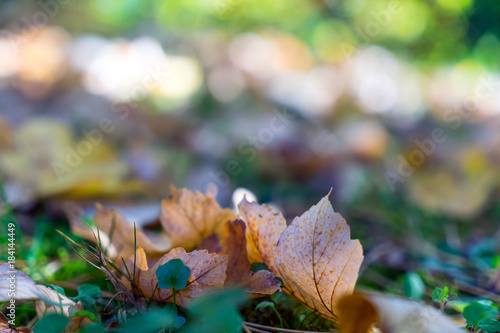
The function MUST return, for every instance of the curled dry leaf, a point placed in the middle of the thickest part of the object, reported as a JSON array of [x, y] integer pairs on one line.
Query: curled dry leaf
[[358, 314], [5, 326], [112, 223], [57, 303], [239, 272], [189, 217], [208, 272], [25, 287], [314, 255], [47, 300]]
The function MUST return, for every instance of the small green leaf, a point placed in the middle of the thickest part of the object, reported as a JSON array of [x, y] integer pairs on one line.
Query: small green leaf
[[258, 266], [87, 302], [52, 323], [490, 326], [153, 321], [216, 312], [414, 286], [436, 294], [440, 295], [57, 288], [478, 313], [173, 274], [264, 304], [87, 314], [89, 290]]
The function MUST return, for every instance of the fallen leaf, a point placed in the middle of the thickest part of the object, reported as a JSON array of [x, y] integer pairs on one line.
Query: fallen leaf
[[239, 272], [189, 217], [265, 227], [121, 233], [211, 244], [314, 255], [5, 326], [208, 272], [44, 159], [47, 300], [52, 302], [358, 314], [25, 287]]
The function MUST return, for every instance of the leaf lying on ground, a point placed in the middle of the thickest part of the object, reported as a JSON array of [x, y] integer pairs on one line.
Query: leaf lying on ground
[[48, 301], [112, 223], [239, 272], [265, 227], [25, 287], [208, 272], [314, 255], [5, 326], [358, 314], [40, 162], [189, 217]]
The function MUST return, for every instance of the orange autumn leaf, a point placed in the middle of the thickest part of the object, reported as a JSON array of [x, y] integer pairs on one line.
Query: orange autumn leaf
[[265, 226], [208, 272], [314, 255], [189, 217], [239, 272]]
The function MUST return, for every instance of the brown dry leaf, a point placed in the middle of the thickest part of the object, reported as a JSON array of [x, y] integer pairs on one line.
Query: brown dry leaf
[[314, 255], [6, 328], [47, 300], [189, 217], [121, 231], [265, 227], [26, 288], [208, 272], [358, 314], [59, 303], [239, 272]]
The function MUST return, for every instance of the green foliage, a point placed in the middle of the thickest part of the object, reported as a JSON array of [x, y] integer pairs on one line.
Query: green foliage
[[216, 312], [481, 315], [173, 274], [258, 266], [414, 286], [265, 304], [87, 294], [88, 314], [89, 290], [154, 320], [51, 323], [93, 328], [440, 295], [57, 288], [490, 326]]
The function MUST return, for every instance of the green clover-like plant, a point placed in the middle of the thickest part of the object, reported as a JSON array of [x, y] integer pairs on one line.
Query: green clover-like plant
[[481, 315], [173, 274]]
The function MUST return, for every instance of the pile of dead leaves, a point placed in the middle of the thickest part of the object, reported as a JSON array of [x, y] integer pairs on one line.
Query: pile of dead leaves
[[314, 257]]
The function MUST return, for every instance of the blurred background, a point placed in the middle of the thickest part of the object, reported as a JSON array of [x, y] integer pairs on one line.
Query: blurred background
[[394, 105]]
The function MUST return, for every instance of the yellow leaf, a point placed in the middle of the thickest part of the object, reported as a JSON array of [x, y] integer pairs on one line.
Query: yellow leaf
[[189, 217], [314, 255], [265, 226]]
